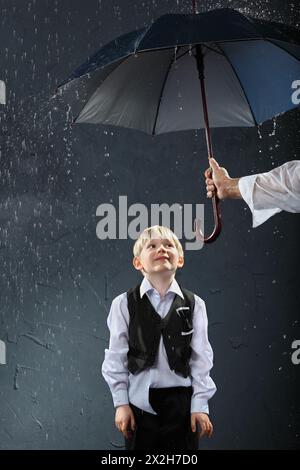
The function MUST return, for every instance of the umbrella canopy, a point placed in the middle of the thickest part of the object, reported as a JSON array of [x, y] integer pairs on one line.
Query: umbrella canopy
[[149, 79]]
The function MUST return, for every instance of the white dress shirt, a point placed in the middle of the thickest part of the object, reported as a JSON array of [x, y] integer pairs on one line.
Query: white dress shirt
[[269, 193], [128, 388]]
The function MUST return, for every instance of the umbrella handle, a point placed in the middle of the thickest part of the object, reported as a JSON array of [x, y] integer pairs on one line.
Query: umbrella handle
[[217, 220]]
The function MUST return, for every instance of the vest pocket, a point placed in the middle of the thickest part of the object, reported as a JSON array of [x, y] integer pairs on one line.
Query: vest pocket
[[185, 333]]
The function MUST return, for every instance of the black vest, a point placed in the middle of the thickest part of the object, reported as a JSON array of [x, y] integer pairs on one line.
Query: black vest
[[146, 327]]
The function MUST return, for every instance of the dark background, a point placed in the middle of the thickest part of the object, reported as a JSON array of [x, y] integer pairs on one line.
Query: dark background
[[57, 279]]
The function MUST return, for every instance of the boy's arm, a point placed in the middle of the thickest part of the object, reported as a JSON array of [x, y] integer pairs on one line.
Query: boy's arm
[[114, 367], [201, 361]]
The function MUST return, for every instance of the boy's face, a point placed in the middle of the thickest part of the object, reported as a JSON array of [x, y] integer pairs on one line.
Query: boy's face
[[159, 255]]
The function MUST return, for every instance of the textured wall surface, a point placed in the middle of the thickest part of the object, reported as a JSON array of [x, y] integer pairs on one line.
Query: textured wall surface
[[58, 279]]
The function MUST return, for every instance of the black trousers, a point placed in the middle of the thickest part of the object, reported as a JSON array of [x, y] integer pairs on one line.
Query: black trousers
[[170, 429]]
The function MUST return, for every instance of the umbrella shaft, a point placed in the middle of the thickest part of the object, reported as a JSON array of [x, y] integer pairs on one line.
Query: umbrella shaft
[[206, 120], [200, 66]]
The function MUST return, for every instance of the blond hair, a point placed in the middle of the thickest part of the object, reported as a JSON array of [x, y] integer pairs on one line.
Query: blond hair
[[147, 235]]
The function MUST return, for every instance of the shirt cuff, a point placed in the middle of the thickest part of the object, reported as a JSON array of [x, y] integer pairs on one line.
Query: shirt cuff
[[199, 405], [246, 186], [120, 398]]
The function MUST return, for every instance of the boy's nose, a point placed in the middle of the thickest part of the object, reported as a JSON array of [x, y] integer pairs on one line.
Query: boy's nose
[[162, 248]]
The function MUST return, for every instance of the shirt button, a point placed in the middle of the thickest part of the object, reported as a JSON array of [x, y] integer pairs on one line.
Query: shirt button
[[169, 336], [173, 348]]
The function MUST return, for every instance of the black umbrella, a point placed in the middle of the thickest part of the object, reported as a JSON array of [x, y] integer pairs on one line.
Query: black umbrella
[[149, 79]]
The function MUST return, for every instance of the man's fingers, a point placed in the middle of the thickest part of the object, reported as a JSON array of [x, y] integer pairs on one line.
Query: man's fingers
[[207, 173], [210, 189]]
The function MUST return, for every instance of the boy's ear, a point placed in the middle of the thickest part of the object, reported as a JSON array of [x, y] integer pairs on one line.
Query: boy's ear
[[180, 262], [137, 263]]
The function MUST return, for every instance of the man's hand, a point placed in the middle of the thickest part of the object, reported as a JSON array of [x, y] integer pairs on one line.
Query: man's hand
[[219, 182], [124, 420], [203, 420]]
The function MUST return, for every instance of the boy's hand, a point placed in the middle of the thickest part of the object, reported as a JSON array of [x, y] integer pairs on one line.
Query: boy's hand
[[205, 424], [124, 420]]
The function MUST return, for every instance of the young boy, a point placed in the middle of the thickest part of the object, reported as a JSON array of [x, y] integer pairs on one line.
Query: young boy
[[158, 362]]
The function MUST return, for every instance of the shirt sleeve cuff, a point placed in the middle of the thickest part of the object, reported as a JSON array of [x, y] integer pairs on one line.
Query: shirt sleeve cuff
[[120, 398], [199, 405], [246, 187]]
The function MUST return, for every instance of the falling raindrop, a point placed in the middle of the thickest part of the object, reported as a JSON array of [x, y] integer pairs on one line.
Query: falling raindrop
[[274, 127]]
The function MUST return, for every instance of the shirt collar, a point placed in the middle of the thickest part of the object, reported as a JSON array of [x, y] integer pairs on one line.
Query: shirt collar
[[146, 286]]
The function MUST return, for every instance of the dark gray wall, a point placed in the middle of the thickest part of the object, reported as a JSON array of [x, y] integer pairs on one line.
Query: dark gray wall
[[57, 279]]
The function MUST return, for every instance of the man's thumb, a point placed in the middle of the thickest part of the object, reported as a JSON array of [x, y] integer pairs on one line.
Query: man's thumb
[[214, 164]]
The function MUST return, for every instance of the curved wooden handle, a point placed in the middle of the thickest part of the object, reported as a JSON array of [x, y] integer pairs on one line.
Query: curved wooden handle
[[218, 225]]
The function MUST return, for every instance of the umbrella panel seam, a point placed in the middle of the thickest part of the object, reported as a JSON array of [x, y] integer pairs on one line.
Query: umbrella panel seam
[[238, 78]]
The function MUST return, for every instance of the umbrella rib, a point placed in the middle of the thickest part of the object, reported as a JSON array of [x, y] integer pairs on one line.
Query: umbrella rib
[[282, 48], [161, 92], [182, 55], [96, 69], [165, 79], [137, 45], [202, 43], [259, 27], [193, 48], [213, 50], [87, 100], [238, 78]]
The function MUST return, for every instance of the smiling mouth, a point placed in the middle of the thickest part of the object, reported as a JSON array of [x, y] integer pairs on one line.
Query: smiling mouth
[[162, 257]]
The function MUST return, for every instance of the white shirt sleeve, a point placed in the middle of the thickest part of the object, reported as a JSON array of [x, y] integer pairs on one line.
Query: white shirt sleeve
[[201, 360], [114, 367], [269, 193]]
